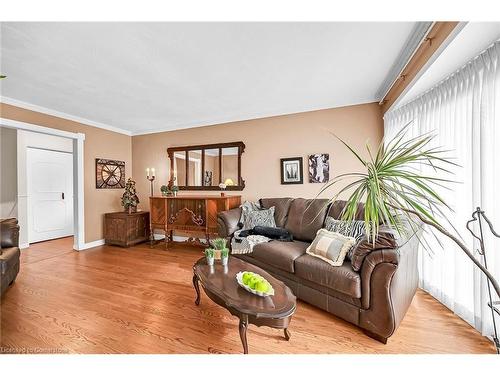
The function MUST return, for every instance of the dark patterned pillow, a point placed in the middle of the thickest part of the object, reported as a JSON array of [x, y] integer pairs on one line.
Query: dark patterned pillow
[[263, 218], [247, 207], [355, 228]]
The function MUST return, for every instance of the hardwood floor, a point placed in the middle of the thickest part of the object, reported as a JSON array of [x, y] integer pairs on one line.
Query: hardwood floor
[[141, 300]]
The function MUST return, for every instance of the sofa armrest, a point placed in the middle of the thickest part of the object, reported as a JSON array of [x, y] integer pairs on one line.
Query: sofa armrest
[[9, 233], [227, 222], [389, 280], [372, 260]]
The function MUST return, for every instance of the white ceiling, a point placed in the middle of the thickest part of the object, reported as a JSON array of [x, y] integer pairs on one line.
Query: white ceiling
[[148, 77], [474, 38]]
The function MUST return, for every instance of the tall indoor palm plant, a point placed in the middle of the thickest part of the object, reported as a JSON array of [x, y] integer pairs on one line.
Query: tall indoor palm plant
[[395, 191]]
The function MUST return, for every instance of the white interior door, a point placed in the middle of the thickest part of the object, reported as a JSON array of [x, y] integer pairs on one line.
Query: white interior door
[[50, 194]]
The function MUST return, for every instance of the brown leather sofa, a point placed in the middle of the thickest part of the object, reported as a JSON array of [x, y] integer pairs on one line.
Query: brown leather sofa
[[374, 298], [9, 253]]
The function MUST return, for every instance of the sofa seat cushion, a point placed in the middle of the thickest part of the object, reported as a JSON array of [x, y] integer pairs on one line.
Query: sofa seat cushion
[[279, 254], [342, 279]]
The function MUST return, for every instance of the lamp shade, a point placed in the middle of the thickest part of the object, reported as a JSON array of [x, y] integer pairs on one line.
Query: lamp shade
[[229, 182]]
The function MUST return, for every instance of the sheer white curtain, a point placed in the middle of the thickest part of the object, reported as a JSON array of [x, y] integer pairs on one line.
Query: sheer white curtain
[[464, 113]]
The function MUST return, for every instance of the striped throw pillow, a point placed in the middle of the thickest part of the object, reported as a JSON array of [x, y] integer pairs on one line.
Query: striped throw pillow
[[331, 247], [355, 228]]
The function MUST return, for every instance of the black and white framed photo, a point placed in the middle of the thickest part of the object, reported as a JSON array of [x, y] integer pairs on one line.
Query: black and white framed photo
[[319, 168], [207, 178], [292, 171]]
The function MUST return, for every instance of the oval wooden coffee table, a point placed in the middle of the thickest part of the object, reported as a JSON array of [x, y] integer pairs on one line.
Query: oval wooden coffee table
[[220, 285]]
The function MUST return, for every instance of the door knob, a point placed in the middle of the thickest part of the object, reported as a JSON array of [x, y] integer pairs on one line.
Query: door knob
[[62, 196]]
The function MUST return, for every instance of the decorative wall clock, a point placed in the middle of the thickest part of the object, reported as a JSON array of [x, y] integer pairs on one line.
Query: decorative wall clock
[[110, 174]]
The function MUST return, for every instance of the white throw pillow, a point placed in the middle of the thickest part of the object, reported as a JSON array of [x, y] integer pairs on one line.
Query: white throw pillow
[[330, 247]]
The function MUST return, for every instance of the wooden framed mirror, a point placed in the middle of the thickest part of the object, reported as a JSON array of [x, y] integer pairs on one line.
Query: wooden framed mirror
[[204, 167]]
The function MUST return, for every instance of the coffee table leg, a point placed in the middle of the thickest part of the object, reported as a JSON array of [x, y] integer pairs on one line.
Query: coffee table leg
[[197, 288], [243, 332], [287, 334]]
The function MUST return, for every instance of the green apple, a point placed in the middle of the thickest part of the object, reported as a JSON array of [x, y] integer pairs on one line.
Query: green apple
[[254, 280], [261, 286], [246, 277]]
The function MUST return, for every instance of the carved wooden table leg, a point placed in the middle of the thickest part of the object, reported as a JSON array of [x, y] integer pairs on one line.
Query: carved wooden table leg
[[169, 237], [151, 236], [287, 334], [243, 332], [197, 288]]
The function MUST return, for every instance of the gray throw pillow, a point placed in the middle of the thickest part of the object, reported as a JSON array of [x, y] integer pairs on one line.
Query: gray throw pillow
[[263, 218], [355, 228]]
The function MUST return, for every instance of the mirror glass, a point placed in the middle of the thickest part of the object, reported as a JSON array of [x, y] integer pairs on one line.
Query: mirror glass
[[205, 167], [180, 168], [230, 166], [211, 172], [194, 168]]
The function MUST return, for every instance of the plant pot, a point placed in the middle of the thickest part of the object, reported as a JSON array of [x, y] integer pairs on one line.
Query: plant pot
[[224, 260], [131, 209], [216, 254], [210, 261]]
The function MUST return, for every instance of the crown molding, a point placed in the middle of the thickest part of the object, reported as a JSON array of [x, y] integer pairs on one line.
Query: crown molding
[[180, 126], [436, 40], [66, 116], [416, 36]]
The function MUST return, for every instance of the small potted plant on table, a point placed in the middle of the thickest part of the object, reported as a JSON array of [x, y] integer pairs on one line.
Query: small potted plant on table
[[175, 190], [224, 256], [164, 190], [130, 200], [209, 255], [218, 244]]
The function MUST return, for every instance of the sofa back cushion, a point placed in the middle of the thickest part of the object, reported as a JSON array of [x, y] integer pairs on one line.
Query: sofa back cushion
[[337, 207], [306, 217], [281, 208]]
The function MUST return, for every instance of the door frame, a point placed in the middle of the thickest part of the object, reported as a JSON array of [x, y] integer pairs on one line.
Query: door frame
[[78, 173]]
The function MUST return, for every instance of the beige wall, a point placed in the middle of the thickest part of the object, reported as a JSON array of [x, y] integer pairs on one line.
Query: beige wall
[[8, 172], [267, 140], [98, 143]]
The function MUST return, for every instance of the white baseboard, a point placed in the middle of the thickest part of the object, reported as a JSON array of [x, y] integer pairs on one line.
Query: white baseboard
[[89, 245], [24, 245], [157, 236]]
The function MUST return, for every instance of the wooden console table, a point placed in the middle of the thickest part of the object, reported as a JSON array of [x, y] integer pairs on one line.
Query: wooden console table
[[191, 214]]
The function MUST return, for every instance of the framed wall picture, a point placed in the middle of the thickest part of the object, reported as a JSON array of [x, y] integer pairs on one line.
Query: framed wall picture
[[207, 178], [319, 168], [110, 174], [292, 171]]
